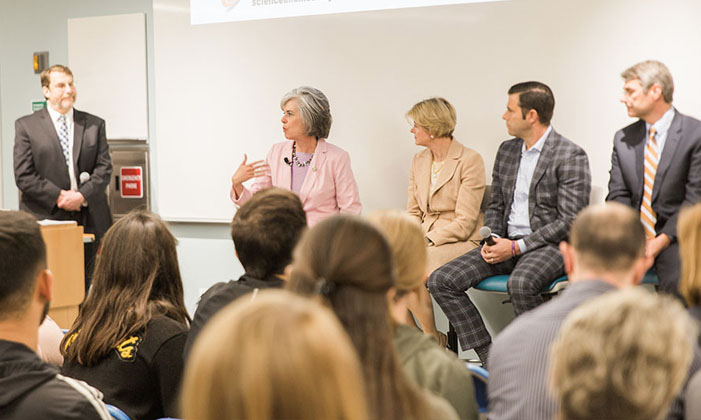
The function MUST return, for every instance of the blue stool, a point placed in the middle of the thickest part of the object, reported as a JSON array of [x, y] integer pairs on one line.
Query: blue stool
[[480, 376], [498, 284], [651, 278], [116, 413]]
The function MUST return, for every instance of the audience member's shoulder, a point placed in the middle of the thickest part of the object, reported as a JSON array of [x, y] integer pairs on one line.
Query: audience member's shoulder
[[165, 327], [411, 343], [61, 398], [440, 407], [221, 294], [692, 405], [529, 324], [221, 289]]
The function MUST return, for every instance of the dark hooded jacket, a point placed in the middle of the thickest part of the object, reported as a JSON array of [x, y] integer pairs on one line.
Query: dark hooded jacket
[[32, 389]]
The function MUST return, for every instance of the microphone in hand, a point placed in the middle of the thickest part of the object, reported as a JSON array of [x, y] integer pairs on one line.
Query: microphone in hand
[[486, 234]]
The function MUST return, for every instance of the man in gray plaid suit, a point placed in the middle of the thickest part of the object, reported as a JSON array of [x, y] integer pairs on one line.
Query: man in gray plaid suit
[[540, 182]]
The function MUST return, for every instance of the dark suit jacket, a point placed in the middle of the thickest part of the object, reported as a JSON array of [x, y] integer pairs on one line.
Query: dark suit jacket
[[41, 172], [678, 178], [560, 188]]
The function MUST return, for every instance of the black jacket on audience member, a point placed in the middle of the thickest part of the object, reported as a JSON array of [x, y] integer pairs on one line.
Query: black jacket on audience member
[[141, 376], [33, 389], [220, 295]]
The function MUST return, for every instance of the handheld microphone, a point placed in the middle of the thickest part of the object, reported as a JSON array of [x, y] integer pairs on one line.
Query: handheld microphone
[[287, 161], [83, 178], [486, 234]]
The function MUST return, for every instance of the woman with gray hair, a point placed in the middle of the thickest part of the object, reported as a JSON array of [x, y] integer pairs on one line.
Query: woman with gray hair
[[319, 172]]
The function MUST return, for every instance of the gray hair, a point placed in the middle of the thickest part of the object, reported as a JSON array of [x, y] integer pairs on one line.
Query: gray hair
[[650, 72], [314, 110], [608, 360]]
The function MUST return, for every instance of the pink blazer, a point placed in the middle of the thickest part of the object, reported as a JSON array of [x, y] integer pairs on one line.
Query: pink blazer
[[328, 188]]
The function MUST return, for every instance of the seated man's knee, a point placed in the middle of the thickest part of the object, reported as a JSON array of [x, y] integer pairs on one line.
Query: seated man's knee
[[437, 281], [454, 275], [522, 284]]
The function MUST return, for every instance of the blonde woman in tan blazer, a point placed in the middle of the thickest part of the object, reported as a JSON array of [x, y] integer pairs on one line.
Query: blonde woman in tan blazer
[[446, 185]]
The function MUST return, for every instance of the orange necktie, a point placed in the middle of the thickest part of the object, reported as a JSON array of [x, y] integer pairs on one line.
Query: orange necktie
[[647, 214]]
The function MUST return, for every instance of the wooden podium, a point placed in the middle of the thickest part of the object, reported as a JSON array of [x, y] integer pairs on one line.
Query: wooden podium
[[64, 254]]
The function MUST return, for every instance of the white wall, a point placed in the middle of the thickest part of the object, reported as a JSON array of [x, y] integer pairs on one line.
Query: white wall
[[218, 86]]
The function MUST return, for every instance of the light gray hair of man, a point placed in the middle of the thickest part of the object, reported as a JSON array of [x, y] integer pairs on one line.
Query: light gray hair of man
[[314, 109], [652, 72], [624, 355]]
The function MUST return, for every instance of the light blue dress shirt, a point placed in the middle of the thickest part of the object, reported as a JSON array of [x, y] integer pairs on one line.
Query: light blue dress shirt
[[519, 223], [662, 126]]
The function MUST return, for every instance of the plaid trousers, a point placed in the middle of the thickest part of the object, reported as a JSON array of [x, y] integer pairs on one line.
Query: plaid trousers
[[529, 273]]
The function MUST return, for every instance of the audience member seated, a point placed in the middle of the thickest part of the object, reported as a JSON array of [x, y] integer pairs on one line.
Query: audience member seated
[[689, 236], [30, 388], [446, 185], [540, 181], [273, 356], [130, 332], [349, 264], [50, 336], [265, 230], [623, 356], [692, 398], [423, 360], [606, 251]]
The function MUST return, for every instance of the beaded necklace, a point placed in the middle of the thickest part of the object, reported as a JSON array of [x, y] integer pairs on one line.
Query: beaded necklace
[[296, 161]]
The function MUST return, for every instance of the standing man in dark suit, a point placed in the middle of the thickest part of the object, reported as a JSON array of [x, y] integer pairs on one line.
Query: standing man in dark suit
[[656, 164], [61, 159], [540, 182]]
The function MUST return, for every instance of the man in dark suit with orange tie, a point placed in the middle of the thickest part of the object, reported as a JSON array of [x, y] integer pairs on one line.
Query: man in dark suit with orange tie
[[656, 164], [61, 159]]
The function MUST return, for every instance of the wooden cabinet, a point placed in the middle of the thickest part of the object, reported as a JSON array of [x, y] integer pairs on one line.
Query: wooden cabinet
[[64, 253]]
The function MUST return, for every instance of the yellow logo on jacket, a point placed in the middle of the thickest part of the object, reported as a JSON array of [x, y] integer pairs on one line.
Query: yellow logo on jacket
[[126, 350]]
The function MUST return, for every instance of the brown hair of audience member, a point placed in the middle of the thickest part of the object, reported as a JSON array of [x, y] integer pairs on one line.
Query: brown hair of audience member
[[608, 238], [689, 235], [406, 240], [266, 229], [435, 115], [22, 257], [286, 357], [624, 355], [349, 262], [136, 279]]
